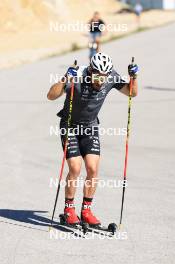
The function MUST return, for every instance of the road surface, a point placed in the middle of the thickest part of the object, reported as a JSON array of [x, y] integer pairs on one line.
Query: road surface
[[31, 159]]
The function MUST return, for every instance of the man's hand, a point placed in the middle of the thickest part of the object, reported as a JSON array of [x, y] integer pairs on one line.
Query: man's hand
[[133, 70], [71, 72], [58, 89]]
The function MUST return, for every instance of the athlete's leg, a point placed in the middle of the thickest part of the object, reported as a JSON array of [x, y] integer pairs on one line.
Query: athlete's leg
[[92, 166], [74, 165], [89, 145], [74, 161]]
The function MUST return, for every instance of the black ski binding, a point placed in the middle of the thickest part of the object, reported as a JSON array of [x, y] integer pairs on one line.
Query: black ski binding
[[85, 227], [80, 226], [112, 228]]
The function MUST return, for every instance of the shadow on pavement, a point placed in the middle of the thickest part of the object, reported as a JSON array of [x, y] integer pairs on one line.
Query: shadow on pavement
[[31, 217], [26, 216]]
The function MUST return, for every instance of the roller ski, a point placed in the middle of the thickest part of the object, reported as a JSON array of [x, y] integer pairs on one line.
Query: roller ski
[[92, 223], [70, 219]]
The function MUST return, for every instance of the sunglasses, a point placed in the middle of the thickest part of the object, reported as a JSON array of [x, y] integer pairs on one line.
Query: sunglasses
[[93, 71]]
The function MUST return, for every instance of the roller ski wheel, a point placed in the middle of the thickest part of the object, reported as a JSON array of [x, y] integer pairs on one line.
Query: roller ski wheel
[[85, 228], [112, 228]]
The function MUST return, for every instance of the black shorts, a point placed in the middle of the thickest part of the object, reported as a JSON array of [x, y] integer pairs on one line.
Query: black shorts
[[81, 140]]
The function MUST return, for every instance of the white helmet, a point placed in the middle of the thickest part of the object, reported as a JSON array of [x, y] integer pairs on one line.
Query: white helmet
[[102, 63]]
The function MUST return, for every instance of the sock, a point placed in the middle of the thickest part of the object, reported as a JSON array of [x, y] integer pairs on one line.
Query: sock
[[87, 203], [69, 202]]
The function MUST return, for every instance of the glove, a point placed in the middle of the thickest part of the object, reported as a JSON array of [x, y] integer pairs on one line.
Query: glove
[[133, 70], [71, 72]]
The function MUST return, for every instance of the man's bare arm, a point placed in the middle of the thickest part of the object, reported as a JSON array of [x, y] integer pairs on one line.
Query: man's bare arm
[[126, 88], [56, 90]]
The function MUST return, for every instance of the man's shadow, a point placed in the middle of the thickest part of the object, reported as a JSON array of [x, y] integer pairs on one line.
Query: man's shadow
[[26, 216], [31, 217]]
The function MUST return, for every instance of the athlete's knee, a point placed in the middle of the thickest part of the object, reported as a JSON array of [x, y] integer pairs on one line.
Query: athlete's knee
[[91, 170], [74, 170]]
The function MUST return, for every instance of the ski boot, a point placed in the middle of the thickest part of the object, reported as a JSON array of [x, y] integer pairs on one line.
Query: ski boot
[[69, 217], [88, 217]]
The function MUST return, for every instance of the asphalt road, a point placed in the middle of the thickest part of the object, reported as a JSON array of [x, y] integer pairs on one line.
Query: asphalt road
[[31, 158]]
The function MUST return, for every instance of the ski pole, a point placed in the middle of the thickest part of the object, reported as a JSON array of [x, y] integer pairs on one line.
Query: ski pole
[[65, 146], [127, 143]]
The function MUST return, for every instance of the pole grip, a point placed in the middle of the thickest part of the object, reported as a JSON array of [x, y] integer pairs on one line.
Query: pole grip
[[131, 80], [75, 64], [132, 60]]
